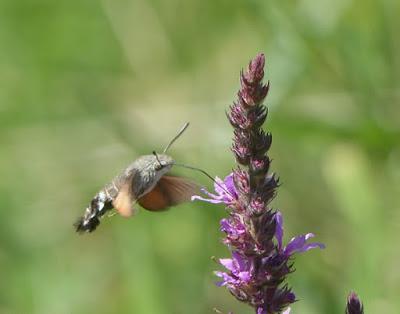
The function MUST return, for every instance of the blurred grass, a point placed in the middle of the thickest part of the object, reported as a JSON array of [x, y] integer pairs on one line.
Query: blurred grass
[[87, 86]]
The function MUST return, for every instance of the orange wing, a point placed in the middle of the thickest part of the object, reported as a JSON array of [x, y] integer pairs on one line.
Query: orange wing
[[123, 202], [169, 191]]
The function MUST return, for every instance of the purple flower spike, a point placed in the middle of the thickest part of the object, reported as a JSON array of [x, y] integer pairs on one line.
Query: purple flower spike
[[354, 305], [257, 270]]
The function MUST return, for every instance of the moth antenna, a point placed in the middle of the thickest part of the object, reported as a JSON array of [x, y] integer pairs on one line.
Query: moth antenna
[[176, 137], [206, 174], [155, 154]]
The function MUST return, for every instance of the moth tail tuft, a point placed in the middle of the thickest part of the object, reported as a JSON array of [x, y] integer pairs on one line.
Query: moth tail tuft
[[82, 225], [99, 205]]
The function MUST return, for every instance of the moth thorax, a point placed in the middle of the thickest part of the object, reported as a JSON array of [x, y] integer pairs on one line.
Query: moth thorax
[[151, 165]]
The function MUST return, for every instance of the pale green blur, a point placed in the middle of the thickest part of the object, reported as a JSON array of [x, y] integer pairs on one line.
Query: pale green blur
[[88, 86]]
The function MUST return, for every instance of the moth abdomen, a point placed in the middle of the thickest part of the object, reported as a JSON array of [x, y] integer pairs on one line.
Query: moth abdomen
[[84, 225], [99, 205]]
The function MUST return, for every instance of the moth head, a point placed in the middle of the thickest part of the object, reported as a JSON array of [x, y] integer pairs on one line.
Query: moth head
[[162, 162]]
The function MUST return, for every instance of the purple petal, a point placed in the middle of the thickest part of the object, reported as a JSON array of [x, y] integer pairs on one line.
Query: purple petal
[[261, 310], [233, 229], [230, 186], [219, 186], [279, 229], [227, 263], [225, 278], [214, 196], [240, 260], [313, 245], [225, 225], [220, 283], [220, 274], [214, 199], [244, 276], [209, 200], [225, 192], [298, 244]]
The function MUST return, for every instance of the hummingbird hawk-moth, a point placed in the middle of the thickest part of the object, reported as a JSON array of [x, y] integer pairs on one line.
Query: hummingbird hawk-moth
[[146, 182]]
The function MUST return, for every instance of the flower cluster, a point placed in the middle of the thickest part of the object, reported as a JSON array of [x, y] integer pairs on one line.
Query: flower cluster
[[256, 272]]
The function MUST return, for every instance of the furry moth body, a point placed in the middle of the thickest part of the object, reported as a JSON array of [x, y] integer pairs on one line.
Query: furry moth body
[[146, 182]]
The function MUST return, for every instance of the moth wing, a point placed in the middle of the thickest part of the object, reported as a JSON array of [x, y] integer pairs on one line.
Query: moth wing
[[124, 199], [169, 191]]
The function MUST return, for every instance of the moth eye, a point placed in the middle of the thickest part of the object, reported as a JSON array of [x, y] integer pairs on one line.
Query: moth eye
[[159, 166]]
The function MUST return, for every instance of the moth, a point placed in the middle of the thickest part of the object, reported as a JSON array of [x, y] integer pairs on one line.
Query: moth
[[145, 182]]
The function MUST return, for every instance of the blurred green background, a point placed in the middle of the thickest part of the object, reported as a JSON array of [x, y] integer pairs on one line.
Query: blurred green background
[[88, 86]]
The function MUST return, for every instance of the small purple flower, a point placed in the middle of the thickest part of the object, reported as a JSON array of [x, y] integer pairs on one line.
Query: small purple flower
[[240, 270], [233, 227], [297, 244], [237, 235], [225, 192]]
